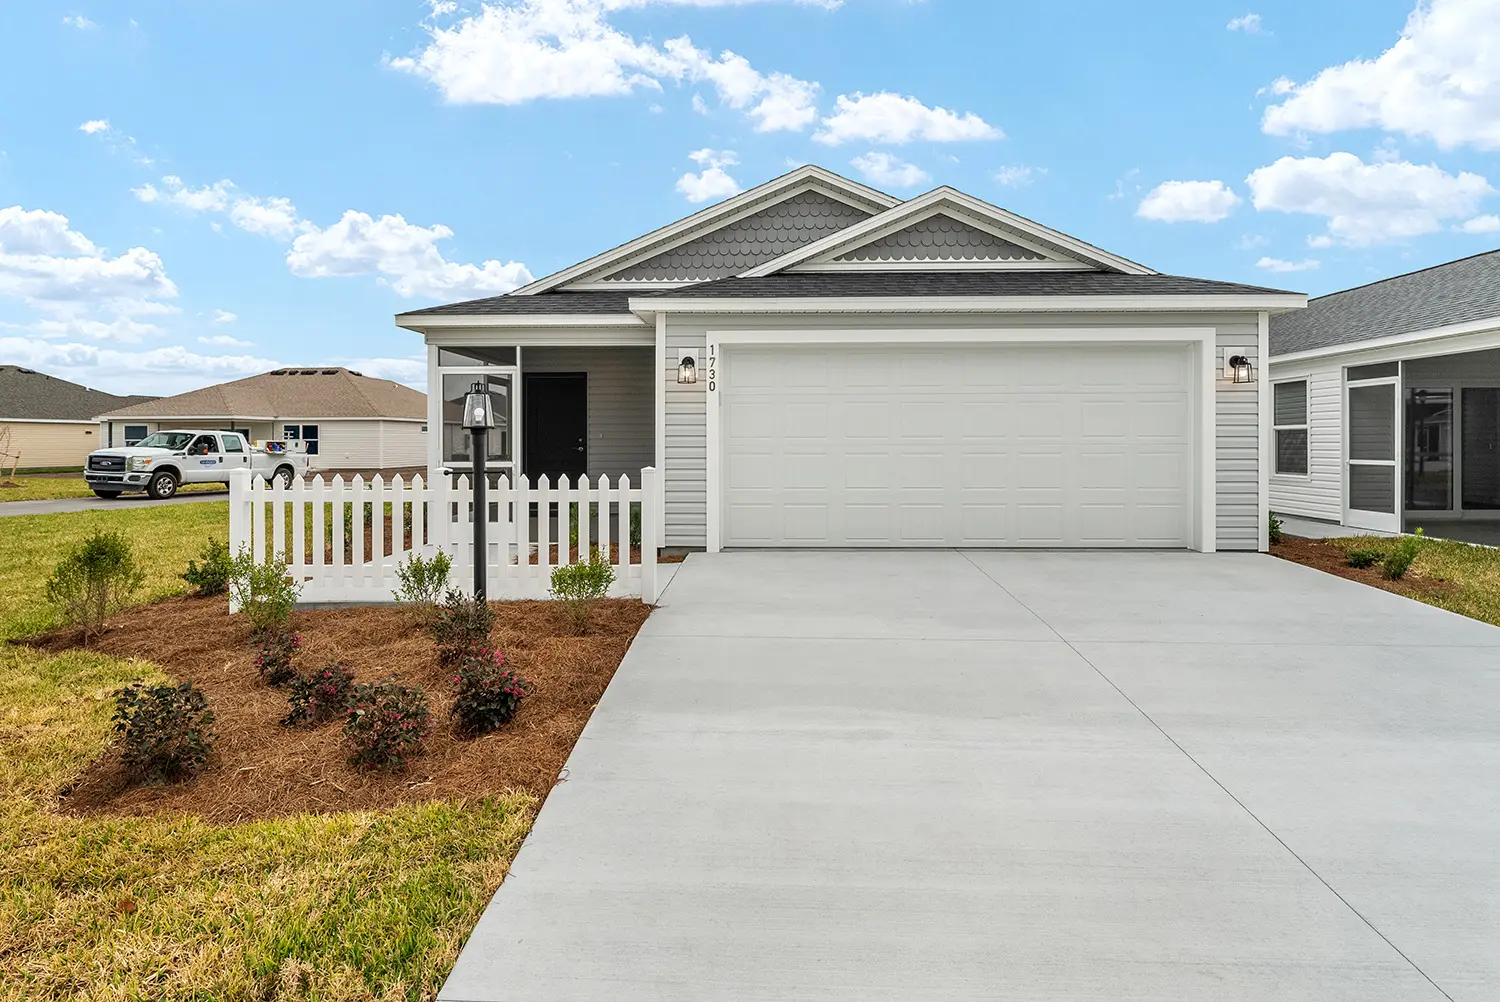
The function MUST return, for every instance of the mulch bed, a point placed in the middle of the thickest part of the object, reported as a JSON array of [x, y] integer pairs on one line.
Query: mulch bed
[[1326, 557], [262, 769]]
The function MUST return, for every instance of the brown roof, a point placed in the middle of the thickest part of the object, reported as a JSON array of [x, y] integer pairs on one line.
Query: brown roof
[[329, 392], [28, 395]]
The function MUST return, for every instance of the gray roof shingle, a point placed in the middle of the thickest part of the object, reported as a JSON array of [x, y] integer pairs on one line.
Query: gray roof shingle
[[961, 283], [542, 302], [1456, 292], [28, 395]]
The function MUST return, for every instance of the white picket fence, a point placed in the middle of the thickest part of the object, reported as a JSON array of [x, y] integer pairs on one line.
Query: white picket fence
[[343, 540]]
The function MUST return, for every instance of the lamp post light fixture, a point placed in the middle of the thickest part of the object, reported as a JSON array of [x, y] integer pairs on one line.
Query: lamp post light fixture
[[1241, 369], [687, 370], [479, 418]]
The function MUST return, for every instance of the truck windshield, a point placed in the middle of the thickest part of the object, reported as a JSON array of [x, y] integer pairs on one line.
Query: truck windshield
[[173, 440]]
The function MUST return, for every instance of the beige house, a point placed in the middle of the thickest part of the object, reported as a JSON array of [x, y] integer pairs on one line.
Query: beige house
[[50, 422], [349, 421]]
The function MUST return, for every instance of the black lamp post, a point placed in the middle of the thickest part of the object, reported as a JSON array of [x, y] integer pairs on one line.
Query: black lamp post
[[479, 418]]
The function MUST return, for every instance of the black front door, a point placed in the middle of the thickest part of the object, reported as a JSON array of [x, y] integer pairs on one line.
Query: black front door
[[555, 418]]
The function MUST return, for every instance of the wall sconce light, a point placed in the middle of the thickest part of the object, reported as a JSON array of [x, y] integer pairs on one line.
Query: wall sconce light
[[687, 370], [1239, 369]]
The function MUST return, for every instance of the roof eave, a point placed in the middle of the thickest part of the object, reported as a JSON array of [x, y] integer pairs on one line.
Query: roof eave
[[648, 307], [422, 322]]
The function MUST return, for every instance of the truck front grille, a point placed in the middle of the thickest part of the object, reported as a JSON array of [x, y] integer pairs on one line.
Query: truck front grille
[[113, 463]]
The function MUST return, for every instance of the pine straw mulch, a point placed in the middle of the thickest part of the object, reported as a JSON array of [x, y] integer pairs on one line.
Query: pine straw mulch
[[262, 769], [1324, 556]]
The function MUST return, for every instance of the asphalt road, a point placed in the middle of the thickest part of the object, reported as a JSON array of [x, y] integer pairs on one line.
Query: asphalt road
[[100, 504]]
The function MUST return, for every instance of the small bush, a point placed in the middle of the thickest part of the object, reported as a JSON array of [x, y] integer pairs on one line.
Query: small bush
[[213, 577], [489, 694], [274, 662], [1275, 534], [94, 581], [635, 526], [1399, 560], [578, 586], [1363, 558], [320, 696], [164, 730], [460, 625], [264, 592], [422, 581], [386, 724]]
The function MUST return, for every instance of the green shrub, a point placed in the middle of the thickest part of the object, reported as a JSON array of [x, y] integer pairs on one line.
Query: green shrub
[[95, 580], [1362, 558], [422, 581], [277, 649], [488, 693], [1399, 560], [578, 586], [264, 592], [386, 724], [460, 625], [213, 577], [1275, 534], [163, 729], [635, 526], [320, 696]]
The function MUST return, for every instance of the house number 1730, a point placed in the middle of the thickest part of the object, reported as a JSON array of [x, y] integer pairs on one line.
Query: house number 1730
[[713, 372]]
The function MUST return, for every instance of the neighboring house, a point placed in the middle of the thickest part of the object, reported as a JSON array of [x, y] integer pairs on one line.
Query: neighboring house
[[348, 421], [50, 420], [1387, 401], [816, 363]]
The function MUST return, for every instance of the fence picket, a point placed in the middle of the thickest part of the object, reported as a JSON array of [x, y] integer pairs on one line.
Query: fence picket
[[318, 500], [340, 496], [606, 499], [299, 536], [257, 520]]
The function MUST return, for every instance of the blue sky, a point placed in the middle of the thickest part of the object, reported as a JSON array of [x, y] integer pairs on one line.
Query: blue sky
[[196, 190]]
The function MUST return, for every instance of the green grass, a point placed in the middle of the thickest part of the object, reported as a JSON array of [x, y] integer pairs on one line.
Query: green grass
[[59, 488], [370, 905], [1472, 571], [165, 538]]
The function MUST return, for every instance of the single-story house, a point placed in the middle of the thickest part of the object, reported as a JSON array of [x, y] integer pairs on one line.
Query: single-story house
[[815, 363], [51, 422], [1387, 403], [348, 421]]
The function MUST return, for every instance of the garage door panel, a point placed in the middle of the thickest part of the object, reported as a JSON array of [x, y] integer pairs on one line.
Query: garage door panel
[[959, 445]]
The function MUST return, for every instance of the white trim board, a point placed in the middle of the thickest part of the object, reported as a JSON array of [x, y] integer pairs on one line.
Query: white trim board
[[1201, 339], [898, 220], [598, 337], [422, 323], [1274, 303]]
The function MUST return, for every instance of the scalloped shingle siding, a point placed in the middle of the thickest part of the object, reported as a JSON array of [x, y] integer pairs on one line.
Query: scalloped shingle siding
[[941, 238], [753, 240]]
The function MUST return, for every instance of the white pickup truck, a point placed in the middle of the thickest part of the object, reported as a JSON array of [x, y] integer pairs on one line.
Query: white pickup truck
[[160, 462]]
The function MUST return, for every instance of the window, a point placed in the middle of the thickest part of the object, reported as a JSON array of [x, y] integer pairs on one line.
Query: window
[[290, 432], [1290, 422], [134, 433], [477, 356], [310, 436], [232, 444], [203, 445]]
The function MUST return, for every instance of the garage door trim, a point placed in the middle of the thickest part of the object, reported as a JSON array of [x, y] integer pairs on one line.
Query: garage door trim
[[1201, 338]]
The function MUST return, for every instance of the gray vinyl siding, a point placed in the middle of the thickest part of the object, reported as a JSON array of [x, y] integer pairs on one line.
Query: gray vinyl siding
[[1236, 409], [621, 403], [941, 238]]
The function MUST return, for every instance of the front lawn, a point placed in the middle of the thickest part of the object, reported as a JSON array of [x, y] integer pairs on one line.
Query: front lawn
[[74, 486], [1459, 577]]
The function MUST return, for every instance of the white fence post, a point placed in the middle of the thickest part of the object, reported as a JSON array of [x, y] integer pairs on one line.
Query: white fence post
[[649, 527], [239, 519]]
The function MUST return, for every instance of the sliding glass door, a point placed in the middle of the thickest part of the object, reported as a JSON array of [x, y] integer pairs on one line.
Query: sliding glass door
[[1481, 458], [1429, 449]]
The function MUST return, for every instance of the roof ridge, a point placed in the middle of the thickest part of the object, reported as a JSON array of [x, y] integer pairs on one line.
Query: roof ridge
[[1404, 274]]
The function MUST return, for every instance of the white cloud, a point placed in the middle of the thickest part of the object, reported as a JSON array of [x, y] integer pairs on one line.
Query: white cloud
[[885, 169], [713, 182], [1366, 203], [1440, 80], [225, 317], [1482, 224], [37, 231], [1276, 264], [412, 370], [400, 254], [268, 217], [714, 158], [225, 341], [166, 369], [214, 197], [515, 51], [891, 118], [1017, 175], [700, 106], [80, 22], [1250, 241], [115, 140], [1188, 202], [94, 126], [1250, 24]]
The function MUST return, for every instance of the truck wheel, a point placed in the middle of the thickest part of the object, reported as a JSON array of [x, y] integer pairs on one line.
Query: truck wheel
[[283, 476], [163, 485], [108, 495]]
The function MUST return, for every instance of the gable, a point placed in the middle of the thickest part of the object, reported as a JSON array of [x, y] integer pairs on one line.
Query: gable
[[939, 238], [751, 240]]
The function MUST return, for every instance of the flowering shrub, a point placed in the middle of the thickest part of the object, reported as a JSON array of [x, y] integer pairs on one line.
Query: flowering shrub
[[489, 694], [460, 625], [386, 724], [275, 659], [319, 696], [164, 729]]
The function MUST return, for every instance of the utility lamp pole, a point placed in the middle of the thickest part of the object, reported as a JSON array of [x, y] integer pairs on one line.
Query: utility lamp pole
[[479, 418]]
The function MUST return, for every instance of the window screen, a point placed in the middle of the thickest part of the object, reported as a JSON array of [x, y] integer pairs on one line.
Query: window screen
[[1289, 416], [1383, 370]]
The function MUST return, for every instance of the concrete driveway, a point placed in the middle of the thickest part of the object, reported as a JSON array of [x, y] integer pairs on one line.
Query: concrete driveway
[[942, 775]]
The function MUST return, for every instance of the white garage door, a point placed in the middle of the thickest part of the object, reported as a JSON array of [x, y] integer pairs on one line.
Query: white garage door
[[961, 445]]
